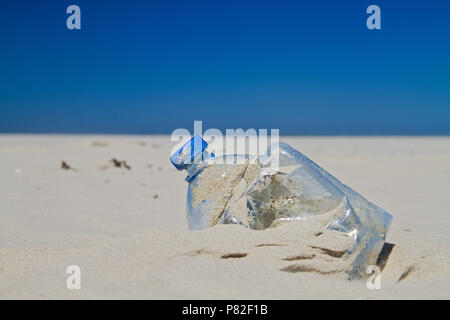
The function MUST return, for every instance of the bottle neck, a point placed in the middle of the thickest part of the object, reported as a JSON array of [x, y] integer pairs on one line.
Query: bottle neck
[[198, 165]]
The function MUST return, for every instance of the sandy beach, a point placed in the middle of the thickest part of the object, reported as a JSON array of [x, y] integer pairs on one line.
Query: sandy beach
[[125, 225]]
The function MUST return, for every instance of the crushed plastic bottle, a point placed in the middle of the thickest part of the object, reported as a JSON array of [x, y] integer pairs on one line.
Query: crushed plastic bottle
[[250, 193]]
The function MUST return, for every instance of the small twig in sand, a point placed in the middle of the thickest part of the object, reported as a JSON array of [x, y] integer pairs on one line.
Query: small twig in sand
[[234, 255], [406, 273]]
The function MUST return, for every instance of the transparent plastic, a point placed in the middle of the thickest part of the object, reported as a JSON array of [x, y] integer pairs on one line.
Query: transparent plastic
[[246, 190]]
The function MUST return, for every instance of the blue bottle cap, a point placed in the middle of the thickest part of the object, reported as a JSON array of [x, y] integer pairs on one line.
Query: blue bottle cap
[[188, 153]]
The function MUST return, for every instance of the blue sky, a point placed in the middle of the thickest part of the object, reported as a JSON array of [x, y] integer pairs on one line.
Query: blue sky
[[305, 67]]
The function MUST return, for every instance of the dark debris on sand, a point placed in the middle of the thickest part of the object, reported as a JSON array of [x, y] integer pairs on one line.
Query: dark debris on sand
[[120, 163], [66, 166]]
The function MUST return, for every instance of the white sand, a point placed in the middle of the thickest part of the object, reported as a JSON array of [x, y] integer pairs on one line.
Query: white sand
[[131, 244]]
